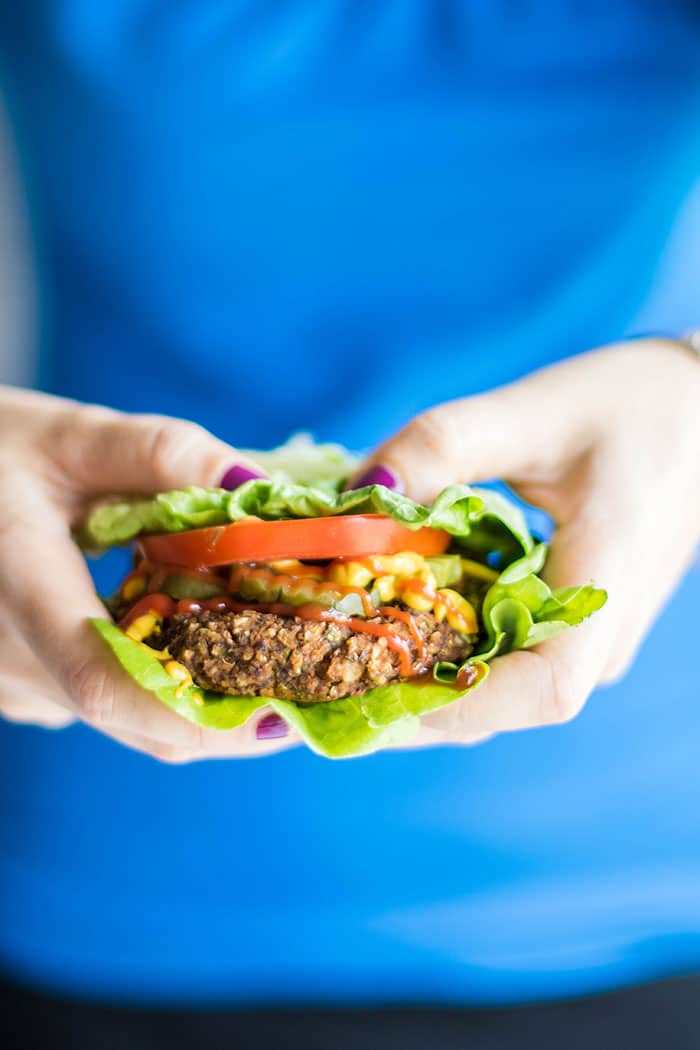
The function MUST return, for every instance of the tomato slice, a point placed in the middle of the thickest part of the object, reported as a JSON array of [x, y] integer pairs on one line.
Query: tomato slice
[[349, 536]]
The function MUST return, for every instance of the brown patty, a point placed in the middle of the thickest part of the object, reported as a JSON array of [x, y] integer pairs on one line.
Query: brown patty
[[261, 654]]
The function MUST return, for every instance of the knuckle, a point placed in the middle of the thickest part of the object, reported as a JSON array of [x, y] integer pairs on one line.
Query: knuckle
[[169, 441], [92, 691], [560, 698], [565, 704], [431, 430]]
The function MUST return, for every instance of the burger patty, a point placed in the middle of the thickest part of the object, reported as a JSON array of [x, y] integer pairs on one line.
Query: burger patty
[[261, 654]]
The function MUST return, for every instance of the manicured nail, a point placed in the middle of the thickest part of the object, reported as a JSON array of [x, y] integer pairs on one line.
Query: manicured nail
[[237, 475], [380, 475], [271, 727]]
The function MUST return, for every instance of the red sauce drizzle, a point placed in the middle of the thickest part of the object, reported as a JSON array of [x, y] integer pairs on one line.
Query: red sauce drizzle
[[312, 611], [469, 675], [405, 617], [377, 630], [151, 603]]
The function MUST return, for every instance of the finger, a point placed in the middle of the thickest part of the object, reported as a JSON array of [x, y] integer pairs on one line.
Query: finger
[[95, 687], [45, 582], [27, 693], [21, 704], [654, 587], [100, 451], [231, 743], [491, 435], [174, 755]]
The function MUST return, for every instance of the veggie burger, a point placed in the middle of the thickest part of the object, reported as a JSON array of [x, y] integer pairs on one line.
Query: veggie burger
[[351, 613]]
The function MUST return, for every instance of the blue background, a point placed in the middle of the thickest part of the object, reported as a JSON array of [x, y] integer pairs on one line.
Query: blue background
[[273, 216]]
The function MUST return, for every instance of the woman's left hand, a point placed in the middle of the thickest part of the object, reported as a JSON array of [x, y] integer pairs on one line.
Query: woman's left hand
[[608, 444]]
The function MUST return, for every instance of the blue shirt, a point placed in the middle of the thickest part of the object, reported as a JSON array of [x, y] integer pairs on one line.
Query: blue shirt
[[328, 216]]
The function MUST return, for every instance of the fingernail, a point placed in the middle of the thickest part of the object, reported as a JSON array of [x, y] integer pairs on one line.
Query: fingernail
[[380, 475], [271, 727], [237, 475]]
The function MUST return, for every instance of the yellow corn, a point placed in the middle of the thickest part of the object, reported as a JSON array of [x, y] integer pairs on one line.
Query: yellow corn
[[133, 588], [428, 578], [293, 567], [406, 563], [385, 587], [475, 568], [458, 611], [143, 626], [349, 574], [417, 600]]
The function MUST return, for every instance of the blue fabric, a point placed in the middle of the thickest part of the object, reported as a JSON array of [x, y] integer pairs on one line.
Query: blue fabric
[[272, 216]]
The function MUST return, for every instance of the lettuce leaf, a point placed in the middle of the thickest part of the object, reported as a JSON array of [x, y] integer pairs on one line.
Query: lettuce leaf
[[306, 480], [519, 611], [480, 521], [302, 460], [382, 717]]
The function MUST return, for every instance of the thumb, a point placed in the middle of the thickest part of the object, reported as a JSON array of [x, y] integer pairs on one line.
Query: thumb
[[98, 450], [512, 432]]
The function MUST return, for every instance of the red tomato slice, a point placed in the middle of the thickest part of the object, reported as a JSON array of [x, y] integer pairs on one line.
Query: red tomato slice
[[311, 539]]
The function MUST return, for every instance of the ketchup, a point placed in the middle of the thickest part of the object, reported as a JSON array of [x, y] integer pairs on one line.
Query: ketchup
[[150, 603], [405, 617], [378, 630], [469, 675], [312, 611]]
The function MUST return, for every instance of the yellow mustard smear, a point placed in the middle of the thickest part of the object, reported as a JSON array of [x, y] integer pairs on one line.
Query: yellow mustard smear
[[142, 627]]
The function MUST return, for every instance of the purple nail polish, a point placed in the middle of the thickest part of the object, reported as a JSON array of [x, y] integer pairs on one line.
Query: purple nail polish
[[237, 475], [380, 475], [271, 727]]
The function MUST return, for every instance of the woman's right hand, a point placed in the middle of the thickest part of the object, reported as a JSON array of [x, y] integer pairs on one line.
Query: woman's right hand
[[56, 457]]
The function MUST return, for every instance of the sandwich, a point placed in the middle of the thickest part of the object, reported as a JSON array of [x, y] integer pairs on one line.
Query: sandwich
[[349, 612]]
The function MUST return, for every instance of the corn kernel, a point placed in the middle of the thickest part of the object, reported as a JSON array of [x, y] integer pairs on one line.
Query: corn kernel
[[459, 612], [417, 600], [284, 564], [293, 567], [337, 572], [385, 587], [133, 588], [428, 577], [358, 575], [349, 574], [406, 563]]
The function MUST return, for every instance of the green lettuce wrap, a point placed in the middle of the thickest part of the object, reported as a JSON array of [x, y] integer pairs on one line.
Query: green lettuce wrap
[[519, 609]]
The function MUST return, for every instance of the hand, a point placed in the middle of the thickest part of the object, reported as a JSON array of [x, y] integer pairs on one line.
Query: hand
[[609, 444], [55, 457]]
